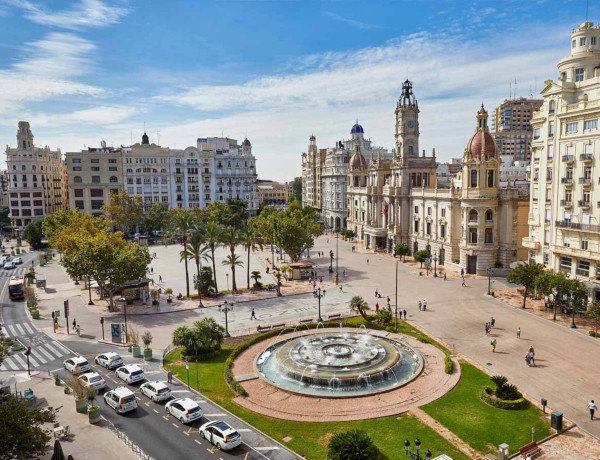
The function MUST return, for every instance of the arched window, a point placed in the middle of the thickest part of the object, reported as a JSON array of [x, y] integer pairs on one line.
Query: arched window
[[489, 215], [113, 179], [77, 179], [33, 168], [163, 170], [14, 167], [473, 215], [129, 170], [23, 168], [473, 178]]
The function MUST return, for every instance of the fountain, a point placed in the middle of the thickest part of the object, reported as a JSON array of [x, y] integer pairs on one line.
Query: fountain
[[338, 364]]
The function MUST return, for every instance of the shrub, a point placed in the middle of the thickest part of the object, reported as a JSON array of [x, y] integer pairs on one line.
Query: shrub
[[508, 392], [448, 364], [352, 445], [205, 336], [487, 395], [423, 338], [594, 334], [499, 380], [133, 336], [147, 339], [384, 317]]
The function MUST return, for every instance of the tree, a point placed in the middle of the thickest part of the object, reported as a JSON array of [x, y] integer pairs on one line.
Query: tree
[[421, 255], [352, 445], [358, 305], [203, 337], [205, 283], [250, 239], [197, 250], [33, 234], [231, 214], [213, 234], [256, 277], [233, 260], [123, 212], [297, 189], [593, 314], [525, 274], [400, 249], [183, 223], [156, 218], [23, 432], [349, 234], [66, 231], [56, 221], [5, 217], [579, 298]]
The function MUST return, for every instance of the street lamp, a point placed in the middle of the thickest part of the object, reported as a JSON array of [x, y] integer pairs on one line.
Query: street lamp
[[572, 307], [227, 275], [337, 239], [490, 272], [318, 293], [124, 300], [27, 353], [416, 455], [397, 297], [331, 262], [435, 258], [226, 307]]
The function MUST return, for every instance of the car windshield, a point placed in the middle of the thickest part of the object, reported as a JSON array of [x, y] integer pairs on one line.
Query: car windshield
[[163, 390], [95, 379], [128, 399], [83, 363], [114, 358], [137, 372]]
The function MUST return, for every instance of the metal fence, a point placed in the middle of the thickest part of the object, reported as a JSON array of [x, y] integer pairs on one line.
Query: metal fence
[[128, 442]]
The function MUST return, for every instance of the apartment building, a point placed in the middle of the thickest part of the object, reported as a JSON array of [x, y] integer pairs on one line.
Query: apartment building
[[35, 186], [564, 230], [272, 193]]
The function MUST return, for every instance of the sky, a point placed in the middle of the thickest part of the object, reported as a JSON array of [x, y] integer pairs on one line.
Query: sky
[[83, 71]]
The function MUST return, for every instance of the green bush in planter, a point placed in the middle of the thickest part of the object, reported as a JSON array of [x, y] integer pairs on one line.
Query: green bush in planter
[[35, 314], [94, 414], [147, 340], [57, 380]]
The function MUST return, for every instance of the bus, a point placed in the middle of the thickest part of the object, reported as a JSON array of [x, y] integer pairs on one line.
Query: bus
[[16, 287]]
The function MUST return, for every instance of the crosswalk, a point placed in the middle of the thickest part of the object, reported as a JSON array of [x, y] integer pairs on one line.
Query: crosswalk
[[40, 354], [14, 272], [16, 330]]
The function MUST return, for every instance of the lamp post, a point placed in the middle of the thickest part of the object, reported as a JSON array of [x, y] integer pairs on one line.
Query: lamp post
[[397, 297], [124, 300], [337, 239], [318, 293], [227, 275], [490, 272], [90, 290], [226, 307], [572, 307], [435, 258], [331, 261], [27, 353], [416, 455]]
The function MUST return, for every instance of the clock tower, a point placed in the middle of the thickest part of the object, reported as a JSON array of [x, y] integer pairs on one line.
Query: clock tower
[[407, 123]]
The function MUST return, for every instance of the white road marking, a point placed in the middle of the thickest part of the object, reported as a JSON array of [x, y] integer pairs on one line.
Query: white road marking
[[41, 349], [20, 329], [38, 356], [61, 347], [243, 430], [7, 365], [186, 433], [56, 350], [155, 410], [166, 418], [215, 415], [179, 391], [210, 450], [19, 360], [198, 442], [33, 362], [266, 448], [152, 372], [175, 425], [29, 328], [11, 331]]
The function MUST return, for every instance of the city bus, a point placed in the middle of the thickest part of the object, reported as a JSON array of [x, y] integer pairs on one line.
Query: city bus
[[16, 287]]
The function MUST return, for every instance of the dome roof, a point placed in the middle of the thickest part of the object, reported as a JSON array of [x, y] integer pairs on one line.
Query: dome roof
[[357, 129], [246, 143], [357, 163], [482, 145]]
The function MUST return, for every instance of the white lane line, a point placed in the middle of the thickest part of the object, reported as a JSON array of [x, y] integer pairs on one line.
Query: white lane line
[[7, 365], [186, 433], [243, 430], [198, 442], [19, 360], [29, 328], [266, 448], [175, 425], [56, 351], [43, 350], [179, 391], [38, 356], [210, 450], [165, 417], [113, 380], [61, 347], [152, 372], [155, 410], [11, 331], [215, 415], [20, 329], [33, 362]]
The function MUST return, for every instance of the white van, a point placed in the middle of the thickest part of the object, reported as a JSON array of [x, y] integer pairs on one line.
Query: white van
[[121, 399]]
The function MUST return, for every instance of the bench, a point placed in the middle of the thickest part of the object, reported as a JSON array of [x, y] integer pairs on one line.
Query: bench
[[530, 450], [263, 328], [338, 315], [276, 326], [306, 321]]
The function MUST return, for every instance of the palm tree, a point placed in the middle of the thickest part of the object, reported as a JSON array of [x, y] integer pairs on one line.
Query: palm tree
[[250, 239], [183, 224], [358, 305], [213, 234], [197, 249], [256, 277], [233, 260]]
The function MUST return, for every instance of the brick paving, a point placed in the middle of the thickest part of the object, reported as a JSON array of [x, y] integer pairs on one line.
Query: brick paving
[[572, 444]]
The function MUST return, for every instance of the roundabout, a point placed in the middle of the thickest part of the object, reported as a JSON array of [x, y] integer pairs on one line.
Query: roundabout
[[340, 374]]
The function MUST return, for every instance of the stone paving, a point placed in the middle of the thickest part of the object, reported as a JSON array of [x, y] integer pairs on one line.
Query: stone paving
[[571, 444], [274, 402]]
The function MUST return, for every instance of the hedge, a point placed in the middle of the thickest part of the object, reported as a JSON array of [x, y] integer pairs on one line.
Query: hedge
[[487, 396], [448, 364]]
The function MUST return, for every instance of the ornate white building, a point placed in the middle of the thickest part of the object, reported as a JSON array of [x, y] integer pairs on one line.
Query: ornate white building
[[564, 225], [473, 224], [35, 186]]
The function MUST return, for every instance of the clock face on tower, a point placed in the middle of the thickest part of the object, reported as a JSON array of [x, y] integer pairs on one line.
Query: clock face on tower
[[410, 124]]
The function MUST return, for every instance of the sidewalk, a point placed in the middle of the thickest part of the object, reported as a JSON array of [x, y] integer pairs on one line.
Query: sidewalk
[[88, 442]]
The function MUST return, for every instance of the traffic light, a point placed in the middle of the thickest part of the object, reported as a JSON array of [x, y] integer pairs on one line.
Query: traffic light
[[28, 351]]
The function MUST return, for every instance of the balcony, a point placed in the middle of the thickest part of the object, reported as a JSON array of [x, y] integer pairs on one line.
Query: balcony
[[568, 181], [584, 204], [566, 203], [530, 243], [568, 158], [577, 226], [586, 157], [585, 181]]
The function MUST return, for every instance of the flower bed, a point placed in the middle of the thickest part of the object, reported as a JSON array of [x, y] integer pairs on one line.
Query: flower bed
[[487, 396]]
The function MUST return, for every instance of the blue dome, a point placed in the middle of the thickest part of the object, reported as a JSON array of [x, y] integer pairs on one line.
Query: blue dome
[[357, 129]]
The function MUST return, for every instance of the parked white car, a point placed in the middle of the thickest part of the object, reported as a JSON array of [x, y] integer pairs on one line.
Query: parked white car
[[9, 265], [220, 434], [4, 259], [93, 379], [17, 261], [76, 365], [156, 391], [109, 360], [185, 410], [130, 373], [121, 399]]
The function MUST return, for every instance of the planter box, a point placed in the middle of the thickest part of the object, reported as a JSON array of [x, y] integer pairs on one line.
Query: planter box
[[94, 414], [81, 406], [136, 351], [35, 314], [147, 354]]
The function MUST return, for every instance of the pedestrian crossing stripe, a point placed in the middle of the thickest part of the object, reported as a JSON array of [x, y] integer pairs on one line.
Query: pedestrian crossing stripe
[[14, 330], [40, 354], [14, 272]]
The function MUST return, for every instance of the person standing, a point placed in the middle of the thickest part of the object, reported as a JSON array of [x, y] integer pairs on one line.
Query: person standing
[[528, 360], [592, 408], [493, 343], [74, 323], [376, 307], [424, 304], [170, 376], [253, 316], [493, 322], [532, 358], [367, 261], [444, 276], [404, 314], [519, 333]]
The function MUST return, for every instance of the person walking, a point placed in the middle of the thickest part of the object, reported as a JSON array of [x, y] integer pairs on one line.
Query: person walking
[[493, 343], [528, 359], [376, 307], [78, 331], [344, 273], [170, 376], [532, 358], [463, 282], [253, 316], [152, 270], [519, 333], [367, 261], [405, 314], [444, 276], [592, 408], [487, 328], [376, 293], [492, 322], [74, 323], [420, 305], [159, 278], [341, 290], [424, 304]]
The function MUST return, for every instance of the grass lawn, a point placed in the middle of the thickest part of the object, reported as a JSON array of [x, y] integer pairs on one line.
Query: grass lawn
[[482, 426], [309, 439]]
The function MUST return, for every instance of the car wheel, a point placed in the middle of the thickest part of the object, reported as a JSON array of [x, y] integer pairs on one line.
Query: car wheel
[[219, 446], [181, 419]]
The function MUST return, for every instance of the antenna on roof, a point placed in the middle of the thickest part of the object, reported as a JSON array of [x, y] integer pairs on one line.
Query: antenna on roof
[[131, 136], [515, 88], [587, 7], [510, 90], [158, 137]]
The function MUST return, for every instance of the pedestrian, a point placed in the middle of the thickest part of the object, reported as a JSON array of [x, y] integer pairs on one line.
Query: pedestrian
[[424, 305], [463, 282], [531, 350], [404, 314], [376, 307], [462, 272], [78, 330], [253, 316], [444, 276], [487, 328], [74, 323], [344, 273], [492, 321], [152, 270], [389, 305], [519, 333], [160, 278], [592, 408], [367, 261], [267, 270], [170, 376], [532, 358], [420, 305], [528, 360], [376, 293], [388, 299], [341, 290], [493, 344]]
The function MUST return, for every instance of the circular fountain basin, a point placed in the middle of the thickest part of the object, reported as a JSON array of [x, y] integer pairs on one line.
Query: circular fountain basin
[[338, 364]]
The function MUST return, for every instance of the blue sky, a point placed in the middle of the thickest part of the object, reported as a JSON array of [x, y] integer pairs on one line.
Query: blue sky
[[82, 71]]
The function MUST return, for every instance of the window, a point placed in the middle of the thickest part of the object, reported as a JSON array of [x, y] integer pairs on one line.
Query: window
[[473, 235], [489, 216], [490, 178], [472, 215], [474, 178], [582, 41], [77, 179], [95, 168], [113, 179], [584, 243], [592, 41], [571, 128], [536, 133], [578, 74], [551, 129], [95, 161], [113, 168], [551, 106], [573, 44], [416, 210], [443, 231], [546, 237], [78, 193], [489, 235], [583, 268], [590, 125], [76, 161], [428, 227], [549, 174], [565, 264], [546, 258], [443, 212], [416, 226], [95, 179], [429, 210], [566, 241], [550, 151], [130, 190], [76, 168], [112, 160], [96, 193]]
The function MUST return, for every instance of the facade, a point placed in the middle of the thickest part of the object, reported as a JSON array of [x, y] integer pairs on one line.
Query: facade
[[35, 187], [4, 178], [92, 175], [471, 224], [271, 193], [564, 230], [312, 168]]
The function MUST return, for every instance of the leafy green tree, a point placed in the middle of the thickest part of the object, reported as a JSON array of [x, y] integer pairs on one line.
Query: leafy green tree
[[26, 430], [232, 261], [197, 250], [182, 223], [55, 222], [250, 238], [205, 336], [525, 274], [256, 277], [349, 234], [400, 249], [360, 306], [33, 234], [67, 230], [213, 234], [156, 218], [579, 298], [352, 445], [593, 314], [421, 255], [297, 189], [231, 214], [5, 217], [123, 211], [205, 283]]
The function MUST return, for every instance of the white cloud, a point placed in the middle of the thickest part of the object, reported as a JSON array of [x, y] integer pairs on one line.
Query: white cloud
[[351, 22], [101, 115], [82, 15]]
